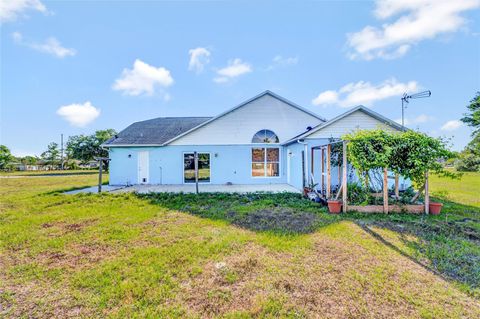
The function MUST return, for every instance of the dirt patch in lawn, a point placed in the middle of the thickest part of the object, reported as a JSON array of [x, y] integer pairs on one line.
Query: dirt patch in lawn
[[76, 256], [335, 278], [281, 220]]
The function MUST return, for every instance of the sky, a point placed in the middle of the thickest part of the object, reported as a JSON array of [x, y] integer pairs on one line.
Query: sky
[[73, 67]]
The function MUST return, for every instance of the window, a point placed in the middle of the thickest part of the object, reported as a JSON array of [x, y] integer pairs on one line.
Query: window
[[203, 168], [265, 162], [265, 136]]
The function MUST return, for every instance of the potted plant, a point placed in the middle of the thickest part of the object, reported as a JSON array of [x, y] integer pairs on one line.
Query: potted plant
[[334, 206], [435, 208], [309, 189]]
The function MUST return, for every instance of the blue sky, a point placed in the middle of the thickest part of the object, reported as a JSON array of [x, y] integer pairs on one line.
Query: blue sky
[[75, 67]]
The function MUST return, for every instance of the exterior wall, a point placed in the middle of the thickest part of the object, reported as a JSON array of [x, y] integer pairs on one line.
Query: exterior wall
[[355, 121], [239, 126], [228, 163]]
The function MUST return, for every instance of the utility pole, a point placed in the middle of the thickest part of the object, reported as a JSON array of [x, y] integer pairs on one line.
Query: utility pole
[[61, 150]]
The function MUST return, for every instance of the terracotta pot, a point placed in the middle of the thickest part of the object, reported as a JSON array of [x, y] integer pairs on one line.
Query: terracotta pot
[[306, 190], [334, 206], [435, 208]]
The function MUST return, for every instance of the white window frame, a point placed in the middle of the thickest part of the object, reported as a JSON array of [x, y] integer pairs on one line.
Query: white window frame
[[265, 147], [183, 168]]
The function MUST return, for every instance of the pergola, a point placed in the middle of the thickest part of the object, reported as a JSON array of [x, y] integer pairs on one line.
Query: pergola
[[326, 153]]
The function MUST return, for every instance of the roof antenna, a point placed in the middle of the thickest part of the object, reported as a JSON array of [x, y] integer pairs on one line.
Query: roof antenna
[[406, 98]]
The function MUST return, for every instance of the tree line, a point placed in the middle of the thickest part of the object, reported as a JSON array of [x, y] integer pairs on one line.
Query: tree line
[[79, 151]]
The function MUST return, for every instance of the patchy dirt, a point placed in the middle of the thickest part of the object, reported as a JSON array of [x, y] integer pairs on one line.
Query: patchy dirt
[[284, 220], [336, 278], [65, 227]]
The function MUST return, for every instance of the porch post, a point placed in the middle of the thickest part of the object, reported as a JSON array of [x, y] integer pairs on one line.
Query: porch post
[[312, 161], [397, 193], [344, 181], [385, 190], [427, 195], [195, 161], [329, 176], [323, 168]]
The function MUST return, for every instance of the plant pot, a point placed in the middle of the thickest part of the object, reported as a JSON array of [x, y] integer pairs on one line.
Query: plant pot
[[306, 190], [435, 208], [334, 206]]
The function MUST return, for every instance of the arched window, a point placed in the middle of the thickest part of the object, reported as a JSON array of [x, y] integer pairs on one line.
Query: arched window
[[265, 136]]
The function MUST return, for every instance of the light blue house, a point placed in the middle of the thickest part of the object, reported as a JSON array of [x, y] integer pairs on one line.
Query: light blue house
[[265, 140]]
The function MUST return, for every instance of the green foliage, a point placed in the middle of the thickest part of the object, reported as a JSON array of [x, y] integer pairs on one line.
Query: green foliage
[[86, 147], [29, 160], [473, 118], [357, 194], [469, 158], [369, 150], [52, 155], [409, 154], [5, 157]]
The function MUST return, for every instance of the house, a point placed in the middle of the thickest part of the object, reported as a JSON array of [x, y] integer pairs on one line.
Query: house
[[264, 140]]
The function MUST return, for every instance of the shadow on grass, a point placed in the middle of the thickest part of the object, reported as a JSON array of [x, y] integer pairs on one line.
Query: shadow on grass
[[448, 245], [283, 213]]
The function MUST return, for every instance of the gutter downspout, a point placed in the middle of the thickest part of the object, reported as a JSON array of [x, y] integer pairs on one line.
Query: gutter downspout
[[305, 173]]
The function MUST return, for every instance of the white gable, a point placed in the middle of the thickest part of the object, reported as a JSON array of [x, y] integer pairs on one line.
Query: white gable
[[357, 120], [239, 125]]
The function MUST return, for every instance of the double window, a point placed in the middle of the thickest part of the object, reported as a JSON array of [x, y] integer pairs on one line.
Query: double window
[[265, 160], [203, 167]]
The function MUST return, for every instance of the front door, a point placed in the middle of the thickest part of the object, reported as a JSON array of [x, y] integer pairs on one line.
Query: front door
[[143, 167]]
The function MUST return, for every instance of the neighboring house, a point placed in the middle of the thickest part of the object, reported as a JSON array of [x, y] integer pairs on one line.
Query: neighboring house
[[265, 140]]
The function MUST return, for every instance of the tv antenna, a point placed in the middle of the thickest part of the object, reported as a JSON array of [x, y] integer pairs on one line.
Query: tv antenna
[[406, 98]]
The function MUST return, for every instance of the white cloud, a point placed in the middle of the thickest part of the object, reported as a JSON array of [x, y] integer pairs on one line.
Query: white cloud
[[451, 125], [199, 57], [280, 61], [51, 46], [143, 79], [417, 20], [422, 118], [364, 93], [326, 97], [10, 10], [234, 68], [79, 114]]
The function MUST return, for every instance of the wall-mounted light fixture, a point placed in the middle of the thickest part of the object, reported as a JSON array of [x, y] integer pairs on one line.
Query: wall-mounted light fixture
[[129, 155], [216, 154]]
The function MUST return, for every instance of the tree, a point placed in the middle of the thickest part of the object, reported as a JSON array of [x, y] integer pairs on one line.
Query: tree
[[52, 155], [29, 160], [86, 147], [473, 118], [469, 158], [5, 157]]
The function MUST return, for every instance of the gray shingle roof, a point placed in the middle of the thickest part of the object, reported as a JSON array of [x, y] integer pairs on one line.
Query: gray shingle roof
[[155, 131]]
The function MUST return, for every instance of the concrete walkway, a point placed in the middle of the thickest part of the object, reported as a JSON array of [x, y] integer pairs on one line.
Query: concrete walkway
[[94, 189], [209, 188]]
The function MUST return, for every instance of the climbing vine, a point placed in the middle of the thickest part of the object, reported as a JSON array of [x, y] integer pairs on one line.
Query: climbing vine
[[409, 153]]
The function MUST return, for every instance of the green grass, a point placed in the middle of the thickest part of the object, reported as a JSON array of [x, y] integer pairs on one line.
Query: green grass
[[465, 191], [226, 256]]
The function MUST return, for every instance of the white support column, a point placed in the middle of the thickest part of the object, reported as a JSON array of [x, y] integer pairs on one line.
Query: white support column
[[344, 179]]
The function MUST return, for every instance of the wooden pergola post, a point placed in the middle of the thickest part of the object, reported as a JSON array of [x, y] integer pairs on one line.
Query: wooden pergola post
[[385, 190], [344, 181], [427, 195], [329, 175]]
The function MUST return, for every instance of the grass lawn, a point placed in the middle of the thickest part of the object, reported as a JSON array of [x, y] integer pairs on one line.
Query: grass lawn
[[230, 256]]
